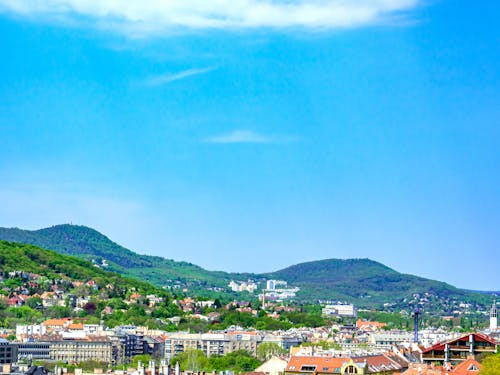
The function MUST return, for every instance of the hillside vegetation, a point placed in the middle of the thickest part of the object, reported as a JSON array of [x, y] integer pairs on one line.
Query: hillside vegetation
[[32, 259], [75, 288], [91, 245], [362, 281]]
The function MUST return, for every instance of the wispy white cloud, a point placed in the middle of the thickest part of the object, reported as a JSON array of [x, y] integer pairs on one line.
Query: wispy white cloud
[[240, 136], [155, 17], [171, 77]]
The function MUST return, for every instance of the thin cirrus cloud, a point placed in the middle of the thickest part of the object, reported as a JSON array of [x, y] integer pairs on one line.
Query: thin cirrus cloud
[[240, 136], [145, 18], [165, 79]]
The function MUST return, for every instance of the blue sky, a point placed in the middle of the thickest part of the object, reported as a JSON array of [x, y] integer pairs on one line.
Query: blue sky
[[249, 136]]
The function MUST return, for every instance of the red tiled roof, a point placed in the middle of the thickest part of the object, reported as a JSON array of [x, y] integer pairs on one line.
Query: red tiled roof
[[478, 337]]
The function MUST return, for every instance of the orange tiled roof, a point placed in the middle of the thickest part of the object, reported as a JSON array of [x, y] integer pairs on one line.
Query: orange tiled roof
[[57, 322], [421, 369], [322, 364], [463, 368], [76, 326]]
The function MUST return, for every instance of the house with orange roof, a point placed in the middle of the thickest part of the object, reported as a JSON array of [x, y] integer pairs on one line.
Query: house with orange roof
[[134, 297], [369, 326], [49, 299], [468, 367], [302, 365], [327, 365], [75, 327], [57, 325]]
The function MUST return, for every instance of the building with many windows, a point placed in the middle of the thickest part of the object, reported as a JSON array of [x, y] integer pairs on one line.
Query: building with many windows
[[8, 352], [75, 351], [69, 351], [211, 343]]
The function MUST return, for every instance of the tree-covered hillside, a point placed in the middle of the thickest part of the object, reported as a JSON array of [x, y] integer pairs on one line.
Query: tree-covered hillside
[[36, 284], [364, 280], [32, 259], [361, 281], [91, 245]]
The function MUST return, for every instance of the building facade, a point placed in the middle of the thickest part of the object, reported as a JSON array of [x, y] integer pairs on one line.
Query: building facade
[[212, 343], [459, 349], [8, 352]]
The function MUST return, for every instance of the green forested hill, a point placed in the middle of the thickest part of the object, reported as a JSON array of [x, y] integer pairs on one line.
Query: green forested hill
[[32, 259], [361, 281], [89, 244], [365, 279], [29, 271]]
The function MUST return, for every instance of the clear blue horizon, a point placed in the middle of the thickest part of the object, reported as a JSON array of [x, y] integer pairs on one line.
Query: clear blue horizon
[[251, 136]]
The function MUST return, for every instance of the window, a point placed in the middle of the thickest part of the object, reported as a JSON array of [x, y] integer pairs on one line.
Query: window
[[308, 368], [350, 370]]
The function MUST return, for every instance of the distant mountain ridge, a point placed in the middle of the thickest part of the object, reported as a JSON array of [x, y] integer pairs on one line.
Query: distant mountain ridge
[[362, 281]]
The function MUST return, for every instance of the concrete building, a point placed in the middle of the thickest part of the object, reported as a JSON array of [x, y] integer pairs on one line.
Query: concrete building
[[284, 341], [211, 343], [69, 351], [390, 338], [8, 352], [341, 310], [35, 350], [76, 351]]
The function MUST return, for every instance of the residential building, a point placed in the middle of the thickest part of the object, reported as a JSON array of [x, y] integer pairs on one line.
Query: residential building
[[363, 325], [467, 367], [285, 341], [69, 351], [315, 365], [273, 366], [76, 351], [459, 349], [342, 310], [390, 338], [25, 331], [212, 343]]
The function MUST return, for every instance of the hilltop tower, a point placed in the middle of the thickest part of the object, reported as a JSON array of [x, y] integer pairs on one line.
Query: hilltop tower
[[494, 317]]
